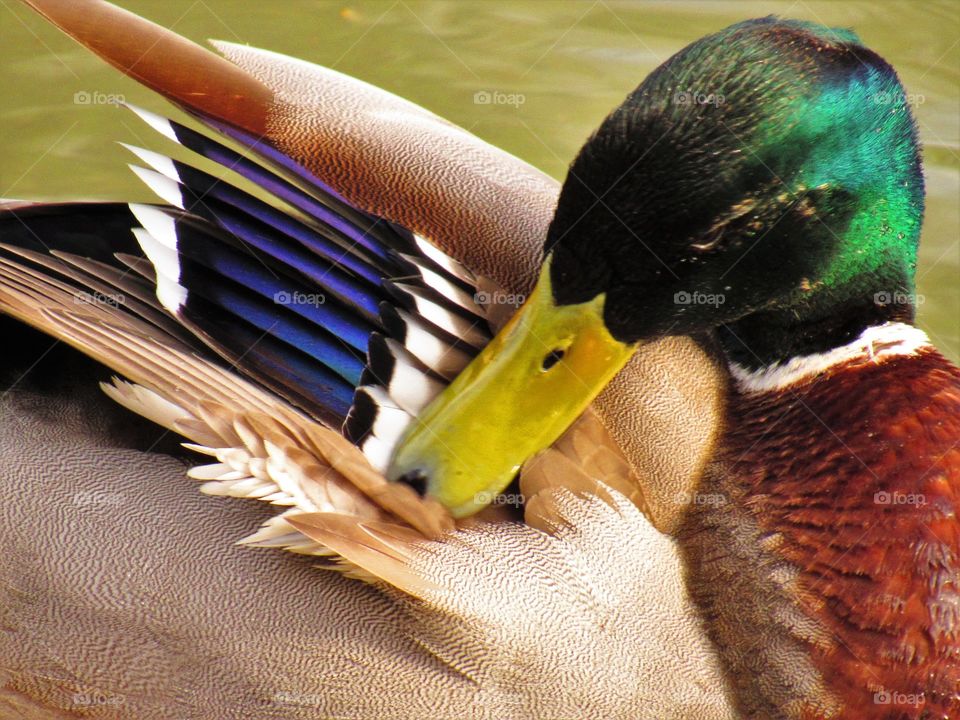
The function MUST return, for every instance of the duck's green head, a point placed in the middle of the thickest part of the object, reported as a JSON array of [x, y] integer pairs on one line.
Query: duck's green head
[[770, 169], [764, 181]]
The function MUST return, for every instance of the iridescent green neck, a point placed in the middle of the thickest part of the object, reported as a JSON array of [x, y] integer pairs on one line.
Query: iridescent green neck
[[861, 161]]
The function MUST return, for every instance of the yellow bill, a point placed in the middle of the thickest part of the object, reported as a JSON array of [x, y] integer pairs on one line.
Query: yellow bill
[[516, 398]]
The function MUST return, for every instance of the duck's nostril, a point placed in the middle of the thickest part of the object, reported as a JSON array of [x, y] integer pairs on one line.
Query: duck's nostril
[[417, 479]]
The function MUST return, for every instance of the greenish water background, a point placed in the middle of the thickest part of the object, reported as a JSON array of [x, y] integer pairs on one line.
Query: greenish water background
[[570, 62]]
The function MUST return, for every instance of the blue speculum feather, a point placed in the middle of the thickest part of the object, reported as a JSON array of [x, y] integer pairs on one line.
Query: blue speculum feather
[[275, 185], [206, 186], [289, 294], [372, 233], [272, 319], [329, 277], [282, 368], [291, 288]]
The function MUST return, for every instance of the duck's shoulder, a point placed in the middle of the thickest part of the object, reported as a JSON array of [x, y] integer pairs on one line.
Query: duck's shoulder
[[890, 394], [847, 446]]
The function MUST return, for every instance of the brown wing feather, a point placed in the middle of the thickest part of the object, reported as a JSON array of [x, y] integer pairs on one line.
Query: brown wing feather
[[165, 62]]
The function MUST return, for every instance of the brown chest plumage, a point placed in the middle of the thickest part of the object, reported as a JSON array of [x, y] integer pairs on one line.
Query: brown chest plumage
[[853, 479]]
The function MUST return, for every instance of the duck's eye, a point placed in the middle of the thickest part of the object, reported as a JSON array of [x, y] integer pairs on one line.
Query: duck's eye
[[552, 358]]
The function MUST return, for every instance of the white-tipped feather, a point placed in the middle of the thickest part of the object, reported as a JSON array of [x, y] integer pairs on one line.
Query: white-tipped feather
[[165, 261], [391, 420], [166, 189], [453, 323], [161, 163], [377, 452], [157, 222], [158, 239], [443, 260], [171, 294], [409, 387], [445, 287], [157, 122], [433, 352]]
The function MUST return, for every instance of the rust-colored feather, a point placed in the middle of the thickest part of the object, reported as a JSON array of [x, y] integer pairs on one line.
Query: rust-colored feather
[[848, 487], [165, 62]]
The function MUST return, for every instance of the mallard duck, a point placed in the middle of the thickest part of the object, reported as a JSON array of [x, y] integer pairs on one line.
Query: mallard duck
[[742, 607]]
